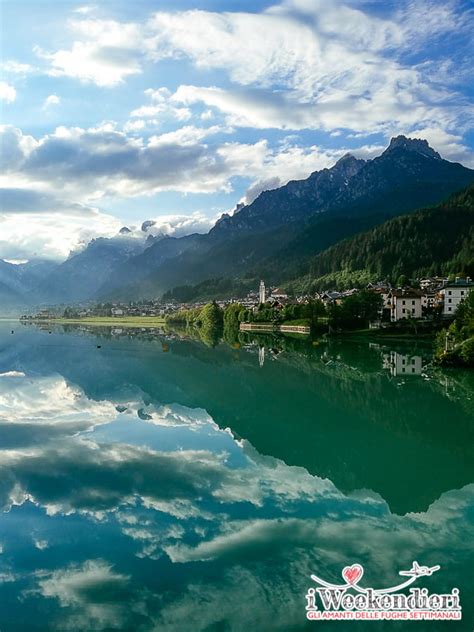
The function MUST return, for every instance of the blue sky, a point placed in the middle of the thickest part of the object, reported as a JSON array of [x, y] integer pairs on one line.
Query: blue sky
[[117, 112]]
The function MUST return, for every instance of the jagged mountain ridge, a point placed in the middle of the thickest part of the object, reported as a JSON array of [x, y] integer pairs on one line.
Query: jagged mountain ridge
[[301, 217], [329, 205], [293, 201]]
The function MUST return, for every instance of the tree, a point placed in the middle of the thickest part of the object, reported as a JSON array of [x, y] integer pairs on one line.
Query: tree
[[356, 310], [232, 318], [210, 323]]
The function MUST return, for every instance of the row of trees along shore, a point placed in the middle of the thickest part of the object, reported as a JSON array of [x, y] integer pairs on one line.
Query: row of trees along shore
[[454, 345], [355, 312]]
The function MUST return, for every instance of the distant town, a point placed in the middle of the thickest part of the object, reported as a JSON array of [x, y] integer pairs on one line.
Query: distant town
[[425, 298]]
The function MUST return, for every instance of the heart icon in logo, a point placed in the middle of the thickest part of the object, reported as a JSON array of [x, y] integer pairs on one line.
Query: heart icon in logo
[[352, 574]]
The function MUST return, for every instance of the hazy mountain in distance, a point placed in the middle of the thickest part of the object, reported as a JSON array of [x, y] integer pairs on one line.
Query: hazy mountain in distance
[[79, 277]]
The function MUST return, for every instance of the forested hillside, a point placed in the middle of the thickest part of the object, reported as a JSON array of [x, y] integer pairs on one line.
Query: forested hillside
[[438, 240]]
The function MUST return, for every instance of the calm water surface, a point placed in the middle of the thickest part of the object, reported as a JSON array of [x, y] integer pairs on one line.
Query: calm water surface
[[153, 483]]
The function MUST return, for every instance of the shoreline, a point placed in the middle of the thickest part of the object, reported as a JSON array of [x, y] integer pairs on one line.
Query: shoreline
[[103, 321]]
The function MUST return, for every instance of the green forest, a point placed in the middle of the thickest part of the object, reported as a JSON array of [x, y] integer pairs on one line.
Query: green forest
[[438, 240], [434, 241]]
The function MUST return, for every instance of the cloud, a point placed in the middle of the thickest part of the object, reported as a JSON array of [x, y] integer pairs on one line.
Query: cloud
[[180, 225], [283, 45], [383, 111], [15, 67], [50, 101], [36, 411], [89, 164], [339, 68], [254, 191], [7, 92], [36, 223], [85, 10], [93, 587], [106, 54], [161, 106], [187, 135], [315, 65]]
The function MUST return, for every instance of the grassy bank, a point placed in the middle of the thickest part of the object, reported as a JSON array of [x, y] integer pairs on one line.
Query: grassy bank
[[106, 321]]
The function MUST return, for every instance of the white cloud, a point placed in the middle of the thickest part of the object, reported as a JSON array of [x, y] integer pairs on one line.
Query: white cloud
[[382, 110], [180, 225], [305, 65], [50, 101], [49, 401], [73, 586], [313, 65], [85, 10], [136, 125], [254, 191], [161, 106], [35, 223], [89, 164], [102, 162], [106, 54], [15, 67], [316, 65], [187, 135], [279, 48], [7, 92]]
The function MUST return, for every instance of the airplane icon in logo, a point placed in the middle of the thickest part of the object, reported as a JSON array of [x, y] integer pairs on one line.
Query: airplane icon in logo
[[418, 571]]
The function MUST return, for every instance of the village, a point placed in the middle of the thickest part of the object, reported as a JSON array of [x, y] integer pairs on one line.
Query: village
[[425, 299]]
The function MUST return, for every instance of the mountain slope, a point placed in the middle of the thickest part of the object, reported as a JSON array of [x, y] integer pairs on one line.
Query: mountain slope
[[302, 218], [17, 281], [430, 241], [137, 267], [81, 275], [292, 202], [11, 302], [407, 175]]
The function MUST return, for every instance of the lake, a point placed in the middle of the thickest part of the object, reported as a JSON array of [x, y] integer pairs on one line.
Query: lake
[[154, 482]]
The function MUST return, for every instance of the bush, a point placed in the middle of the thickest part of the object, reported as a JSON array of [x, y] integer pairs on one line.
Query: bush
[[466, 352]]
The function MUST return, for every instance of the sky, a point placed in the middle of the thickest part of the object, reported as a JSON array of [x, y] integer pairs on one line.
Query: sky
[[118, 112]]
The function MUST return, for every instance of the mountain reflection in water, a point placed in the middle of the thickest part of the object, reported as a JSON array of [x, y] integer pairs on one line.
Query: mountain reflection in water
[[161, 484]]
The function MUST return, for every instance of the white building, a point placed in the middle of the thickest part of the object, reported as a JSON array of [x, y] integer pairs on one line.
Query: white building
[[401, 364], [279, 295], [404, 304], [431, 301], [454, 293], [261, 293]]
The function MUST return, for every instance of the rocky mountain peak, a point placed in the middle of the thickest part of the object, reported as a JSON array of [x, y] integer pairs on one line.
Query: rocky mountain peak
[[347, 159], [416, 145], [147, 224]]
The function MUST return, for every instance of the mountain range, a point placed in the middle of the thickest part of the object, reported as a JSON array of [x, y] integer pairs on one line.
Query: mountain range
[[278, 235]]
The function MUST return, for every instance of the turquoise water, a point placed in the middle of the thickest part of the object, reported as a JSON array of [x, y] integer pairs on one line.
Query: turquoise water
[[153, 483]]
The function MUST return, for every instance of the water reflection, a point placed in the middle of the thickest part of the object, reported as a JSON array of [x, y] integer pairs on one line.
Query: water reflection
[[401, 364], [124, 509]]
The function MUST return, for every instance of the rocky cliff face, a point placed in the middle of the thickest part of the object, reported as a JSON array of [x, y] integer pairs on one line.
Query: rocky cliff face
[[295, 201], [408, 174]]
